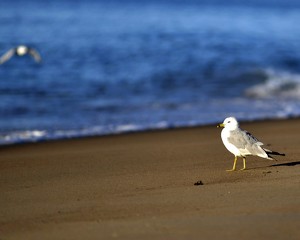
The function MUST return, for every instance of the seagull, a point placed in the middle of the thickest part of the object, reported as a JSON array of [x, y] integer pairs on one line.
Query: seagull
[[241, 143], [21, 51]]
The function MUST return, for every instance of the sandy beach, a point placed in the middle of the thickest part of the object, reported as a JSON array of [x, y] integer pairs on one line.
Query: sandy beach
[[141, 186]]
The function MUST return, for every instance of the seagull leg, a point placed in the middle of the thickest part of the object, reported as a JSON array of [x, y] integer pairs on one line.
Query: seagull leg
[[234, 164], [244, 164]]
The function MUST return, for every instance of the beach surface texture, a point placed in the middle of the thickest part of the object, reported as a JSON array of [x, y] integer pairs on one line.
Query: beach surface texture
[[168, 184]]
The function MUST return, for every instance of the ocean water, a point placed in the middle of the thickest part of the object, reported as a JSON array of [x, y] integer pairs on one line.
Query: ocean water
[[116, 66]]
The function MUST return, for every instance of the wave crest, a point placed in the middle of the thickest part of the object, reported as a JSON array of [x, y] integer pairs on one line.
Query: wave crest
[[282, 85]]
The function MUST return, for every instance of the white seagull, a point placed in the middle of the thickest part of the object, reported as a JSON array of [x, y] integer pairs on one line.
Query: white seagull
[[20, 51], [241, 143]]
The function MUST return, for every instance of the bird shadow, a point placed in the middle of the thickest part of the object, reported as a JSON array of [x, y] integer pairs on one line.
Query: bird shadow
[[288, 164]]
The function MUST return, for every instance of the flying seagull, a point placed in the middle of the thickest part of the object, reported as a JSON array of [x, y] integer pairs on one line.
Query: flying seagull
[[241, 143], [21, 51]]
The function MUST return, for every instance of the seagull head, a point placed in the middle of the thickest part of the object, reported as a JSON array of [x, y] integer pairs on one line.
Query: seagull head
[[229, 123], [21, 50]]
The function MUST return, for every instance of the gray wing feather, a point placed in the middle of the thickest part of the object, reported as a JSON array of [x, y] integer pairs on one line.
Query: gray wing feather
[[241, 139], [246, 143], [6, 56], [35, 55]]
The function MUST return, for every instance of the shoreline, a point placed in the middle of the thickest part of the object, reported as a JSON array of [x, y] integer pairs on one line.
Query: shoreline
[[141, 186], [146, 130]]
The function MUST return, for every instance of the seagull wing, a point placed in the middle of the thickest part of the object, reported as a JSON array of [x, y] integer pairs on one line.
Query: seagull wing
[[35, 55], [252, 138], [6, 56], [241, 138], [246, 143]]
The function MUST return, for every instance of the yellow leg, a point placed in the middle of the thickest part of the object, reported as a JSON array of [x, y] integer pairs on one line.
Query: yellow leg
[[234, 164], [244, 164]]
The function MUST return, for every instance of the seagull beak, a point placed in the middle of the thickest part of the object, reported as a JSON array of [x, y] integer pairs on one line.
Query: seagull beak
[[220, 125]]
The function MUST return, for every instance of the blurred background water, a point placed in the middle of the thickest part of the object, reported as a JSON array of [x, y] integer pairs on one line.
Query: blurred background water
[[115, 66]]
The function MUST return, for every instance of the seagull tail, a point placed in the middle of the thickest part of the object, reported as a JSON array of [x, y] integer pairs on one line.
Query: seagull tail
[[270, 152]]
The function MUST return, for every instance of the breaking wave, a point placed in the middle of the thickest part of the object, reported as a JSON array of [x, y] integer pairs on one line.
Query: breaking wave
[[276, 85]]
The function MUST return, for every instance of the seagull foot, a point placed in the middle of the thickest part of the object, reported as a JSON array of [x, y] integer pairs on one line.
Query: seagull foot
[[230, 170]]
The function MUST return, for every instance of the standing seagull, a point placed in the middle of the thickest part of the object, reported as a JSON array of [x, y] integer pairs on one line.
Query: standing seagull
[[241, 143], [20, 51]]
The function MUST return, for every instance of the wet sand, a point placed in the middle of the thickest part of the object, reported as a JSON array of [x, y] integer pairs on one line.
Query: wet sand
[[141, 186]]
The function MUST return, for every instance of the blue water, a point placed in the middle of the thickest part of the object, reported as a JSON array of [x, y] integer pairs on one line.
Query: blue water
[[115, 66]]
